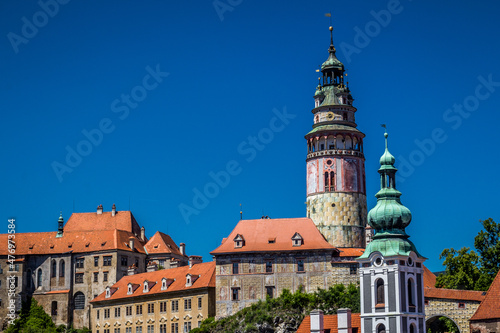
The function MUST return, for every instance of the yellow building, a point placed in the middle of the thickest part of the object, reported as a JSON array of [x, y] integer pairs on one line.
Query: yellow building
[[162, 301]]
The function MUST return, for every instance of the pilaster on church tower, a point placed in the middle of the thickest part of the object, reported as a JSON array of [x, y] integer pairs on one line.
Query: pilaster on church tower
[[336, 191], [391, 270]]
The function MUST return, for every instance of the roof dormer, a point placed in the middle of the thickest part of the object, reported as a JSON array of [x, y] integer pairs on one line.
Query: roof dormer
[[129, 289], [189, 282], [165, 283], [239, 241], [108, 292], [297, 239]]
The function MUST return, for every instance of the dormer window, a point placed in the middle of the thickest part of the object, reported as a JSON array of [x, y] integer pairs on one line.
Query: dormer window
[[146, 286], [163, 284], [129, 289], [108, 292], [297, 239], [239, 241], [189, 282]]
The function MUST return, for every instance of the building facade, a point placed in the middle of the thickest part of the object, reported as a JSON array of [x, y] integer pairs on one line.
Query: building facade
[[336, 190], [391, 268], [165, 301]]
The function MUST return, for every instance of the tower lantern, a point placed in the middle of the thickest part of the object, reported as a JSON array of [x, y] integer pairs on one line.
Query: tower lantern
[[336, 194]]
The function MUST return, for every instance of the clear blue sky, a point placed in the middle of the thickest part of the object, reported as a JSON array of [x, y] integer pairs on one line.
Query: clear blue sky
[[71, 71]]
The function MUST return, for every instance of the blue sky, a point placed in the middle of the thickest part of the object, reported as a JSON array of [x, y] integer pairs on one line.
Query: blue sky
[[172, 93]]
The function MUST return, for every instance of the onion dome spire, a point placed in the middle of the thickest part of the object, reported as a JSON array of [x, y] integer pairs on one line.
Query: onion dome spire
[[60, 226], [389, 217]]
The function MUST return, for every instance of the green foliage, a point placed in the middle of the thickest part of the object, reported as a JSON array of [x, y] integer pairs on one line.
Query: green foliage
[[34, 320], [466, 269], [442, 325], [287, 310]]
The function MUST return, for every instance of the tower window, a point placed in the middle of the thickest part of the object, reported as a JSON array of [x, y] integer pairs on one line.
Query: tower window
[[380, 293], [381, 328], [411, 295], [344, 116]]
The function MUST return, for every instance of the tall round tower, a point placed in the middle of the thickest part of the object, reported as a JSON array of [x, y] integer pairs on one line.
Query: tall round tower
[[336, 191]]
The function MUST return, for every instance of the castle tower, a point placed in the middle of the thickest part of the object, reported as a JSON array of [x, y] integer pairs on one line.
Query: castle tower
[[336, 192], [391, 271]]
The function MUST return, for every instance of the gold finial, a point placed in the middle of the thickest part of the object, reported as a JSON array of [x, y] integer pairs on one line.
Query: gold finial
[[331, 28]]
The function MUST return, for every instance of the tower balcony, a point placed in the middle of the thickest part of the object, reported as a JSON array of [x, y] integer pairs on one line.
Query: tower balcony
[[335, 152]]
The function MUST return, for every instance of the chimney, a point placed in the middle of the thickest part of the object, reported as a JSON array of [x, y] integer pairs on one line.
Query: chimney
[[60, 226], [131, 241], [182, 248], [344, 321], [99, 210], [113, 210], [143, 234], [193, 260], [132, 270], [317, 321], [151, 267]]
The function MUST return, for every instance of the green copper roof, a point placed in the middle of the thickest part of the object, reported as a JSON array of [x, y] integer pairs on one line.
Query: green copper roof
[[332, 62], [333, 127], [389, 217]]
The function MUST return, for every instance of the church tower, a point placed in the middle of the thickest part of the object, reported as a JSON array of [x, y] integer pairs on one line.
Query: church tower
[[336, 192], [391, 271]]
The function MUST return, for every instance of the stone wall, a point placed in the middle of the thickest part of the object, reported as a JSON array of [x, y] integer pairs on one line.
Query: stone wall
[[485, 326], [453, 310], [339, 216]]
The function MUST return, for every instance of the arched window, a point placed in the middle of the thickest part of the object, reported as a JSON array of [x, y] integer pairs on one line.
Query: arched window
[[61, 268], [412, 328], [332, 180], [53, 308], [53, 268], [79, 301], [327, 181], [29, 280], [380, 295], [381, 328], [411, 294], [39, 278]]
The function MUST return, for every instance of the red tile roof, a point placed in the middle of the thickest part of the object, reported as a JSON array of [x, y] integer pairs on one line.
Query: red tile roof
[[350, 251], [162, 243], [329, 322], [454, 294], [123, 220], [76, 242], [206, 272], [259, 235], [490, 307], [429, 278]]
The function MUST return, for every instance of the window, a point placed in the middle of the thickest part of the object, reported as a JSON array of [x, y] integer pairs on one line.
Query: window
[[163, 307], [151, 308], [128, 310], [151, 328], [54, 268], [117, 312], [188, 280], [235, 293], [53, 308], [106, 261], [175, 306], [380, 296], [105, 276], [411, 294], [78, 277], [235, 267], [200, 302], [269, 266], [353, 269], [97, 313], [79, 300], [62, 268], [106, 313], [138, 329], [39, 278], [96, 261], [117, 330], [461, 305], [300, 265], [199, 323], [79, 262], [270, 292], [128, 329], [163, 328], [138, 310], [124, 261], [106, 330], [412, 328], [187, 304], [187, 327], [96, 276], [175, 328], [381, 328]]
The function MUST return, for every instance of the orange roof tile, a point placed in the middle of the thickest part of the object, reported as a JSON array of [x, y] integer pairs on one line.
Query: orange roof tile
[[206, 272], [257, 233], [123, 220], [76, 242], [350, 251], [329, 322], [461, 295], [429, 278], [490, 306], [58, 292], [162, 243]]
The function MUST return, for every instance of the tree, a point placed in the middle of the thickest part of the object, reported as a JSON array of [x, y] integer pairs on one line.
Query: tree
[[466, 269], [36, 321]]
